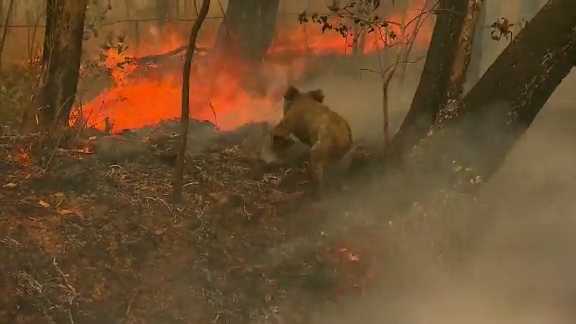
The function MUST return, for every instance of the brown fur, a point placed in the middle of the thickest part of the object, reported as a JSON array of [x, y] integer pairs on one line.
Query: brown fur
[[313, 123]]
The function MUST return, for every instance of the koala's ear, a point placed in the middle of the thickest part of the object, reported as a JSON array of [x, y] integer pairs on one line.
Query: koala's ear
[[291, 93], [317, 95]]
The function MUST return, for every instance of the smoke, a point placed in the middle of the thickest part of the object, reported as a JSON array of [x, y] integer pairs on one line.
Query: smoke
[[504, 256]]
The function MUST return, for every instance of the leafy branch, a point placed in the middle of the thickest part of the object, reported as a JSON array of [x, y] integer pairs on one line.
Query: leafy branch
[[357, 18]]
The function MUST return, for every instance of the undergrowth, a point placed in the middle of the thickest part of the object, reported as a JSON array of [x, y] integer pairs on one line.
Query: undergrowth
[[17, 86]]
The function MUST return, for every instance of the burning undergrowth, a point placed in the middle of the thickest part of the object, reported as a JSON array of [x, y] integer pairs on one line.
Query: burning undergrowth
[[224, 90]]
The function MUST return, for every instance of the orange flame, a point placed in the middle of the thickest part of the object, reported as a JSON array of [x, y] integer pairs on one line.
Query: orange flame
[[218, 93], [222, 92]]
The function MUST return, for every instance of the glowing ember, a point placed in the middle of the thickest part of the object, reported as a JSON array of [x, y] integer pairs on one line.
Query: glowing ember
[[22, 157], [348, 255]]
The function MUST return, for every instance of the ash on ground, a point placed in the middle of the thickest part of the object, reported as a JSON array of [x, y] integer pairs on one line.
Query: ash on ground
[[95, 238]]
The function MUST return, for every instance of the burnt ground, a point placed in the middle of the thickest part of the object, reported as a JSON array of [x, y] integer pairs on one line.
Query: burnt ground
[[95, 241]]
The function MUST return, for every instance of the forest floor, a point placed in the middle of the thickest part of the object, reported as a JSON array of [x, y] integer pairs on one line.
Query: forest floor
[[95, 241]]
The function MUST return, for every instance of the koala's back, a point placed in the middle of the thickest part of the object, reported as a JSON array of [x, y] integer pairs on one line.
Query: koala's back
[[313, 122]]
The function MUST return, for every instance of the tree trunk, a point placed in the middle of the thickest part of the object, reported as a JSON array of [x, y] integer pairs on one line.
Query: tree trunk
[[60, 64], [5, 30], [475, 71], [506, 100], [433, 87], [463, 51], [185, 114], [386, 80], [470, 148], [248, 29]]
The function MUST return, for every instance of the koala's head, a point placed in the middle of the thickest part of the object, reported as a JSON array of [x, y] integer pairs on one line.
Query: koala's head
[[292, 94]]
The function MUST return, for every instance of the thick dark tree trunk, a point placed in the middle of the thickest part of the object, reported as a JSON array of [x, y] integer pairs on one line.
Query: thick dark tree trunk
[[60, 63], [506, 100], [248, 28], [469, 149], [185, 114], [433, 87]]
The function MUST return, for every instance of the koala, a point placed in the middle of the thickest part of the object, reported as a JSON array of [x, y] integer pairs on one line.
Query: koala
[[311, 122]]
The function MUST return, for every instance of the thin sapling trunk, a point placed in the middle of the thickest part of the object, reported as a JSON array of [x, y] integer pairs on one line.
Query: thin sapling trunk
[[185, 113]]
